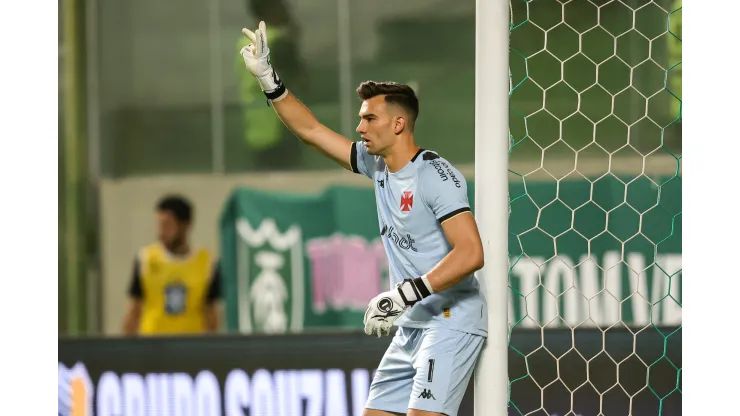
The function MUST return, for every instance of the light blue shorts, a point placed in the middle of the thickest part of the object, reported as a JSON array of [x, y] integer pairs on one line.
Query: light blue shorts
[[425, 369]]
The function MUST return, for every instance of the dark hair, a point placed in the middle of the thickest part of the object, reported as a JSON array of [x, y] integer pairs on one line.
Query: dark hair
[[178, 206], [395, 93]]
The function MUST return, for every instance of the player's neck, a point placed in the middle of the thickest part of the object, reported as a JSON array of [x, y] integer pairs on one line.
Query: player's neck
[[401, 155]]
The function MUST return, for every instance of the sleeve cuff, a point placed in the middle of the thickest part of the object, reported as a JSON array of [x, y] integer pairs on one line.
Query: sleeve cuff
[[452, 214], [353, 158]]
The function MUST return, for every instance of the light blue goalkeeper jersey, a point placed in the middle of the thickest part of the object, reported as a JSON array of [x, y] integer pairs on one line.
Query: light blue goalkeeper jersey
[[412, 205]]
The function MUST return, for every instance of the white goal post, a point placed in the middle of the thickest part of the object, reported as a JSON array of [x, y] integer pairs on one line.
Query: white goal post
[[491, 196]]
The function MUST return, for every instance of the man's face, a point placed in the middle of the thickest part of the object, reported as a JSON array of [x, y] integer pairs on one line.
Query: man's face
[[377, 125], [171, 232]]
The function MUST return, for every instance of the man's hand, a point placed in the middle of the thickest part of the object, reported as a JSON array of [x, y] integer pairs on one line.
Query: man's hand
[[257, 59], [385, 308]]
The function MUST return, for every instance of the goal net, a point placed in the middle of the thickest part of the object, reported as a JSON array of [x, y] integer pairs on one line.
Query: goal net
[[595, 222]]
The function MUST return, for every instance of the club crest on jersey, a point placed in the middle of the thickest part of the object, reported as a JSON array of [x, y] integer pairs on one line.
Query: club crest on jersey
[[407, 201]]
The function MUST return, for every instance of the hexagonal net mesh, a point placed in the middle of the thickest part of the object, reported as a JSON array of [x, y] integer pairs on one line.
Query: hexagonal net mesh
[[595, 223]]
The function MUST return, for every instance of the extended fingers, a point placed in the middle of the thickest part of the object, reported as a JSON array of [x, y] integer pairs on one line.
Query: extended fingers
[[263, 30], [248, 33]]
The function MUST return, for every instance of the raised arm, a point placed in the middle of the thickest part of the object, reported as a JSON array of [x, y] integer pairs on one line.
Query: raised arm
[[301, 122], [296, 116]]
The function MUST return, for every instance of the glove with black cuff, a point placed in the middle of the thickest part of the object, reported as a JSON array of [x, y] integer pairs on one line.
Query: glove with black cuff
[[385, 308], [257, 59]]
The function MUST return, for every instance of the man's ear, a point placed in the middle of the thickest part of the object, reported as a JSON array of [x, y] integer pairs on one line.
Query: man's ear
[[399, 123]]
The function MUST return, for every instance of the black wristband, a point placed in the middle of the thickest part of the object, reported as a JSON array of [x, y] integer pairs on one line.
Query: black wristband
[[418, 287], [277, 92], [421, 287]]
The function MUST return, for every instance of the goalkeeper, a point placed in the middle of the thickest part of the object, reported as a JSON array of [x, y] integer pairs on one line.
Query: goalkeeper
[[429, 234]]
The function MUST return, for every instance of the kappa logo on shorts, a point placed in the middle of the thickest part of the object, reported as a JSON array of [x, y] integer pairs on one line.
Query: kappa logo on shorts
[[427, 394]]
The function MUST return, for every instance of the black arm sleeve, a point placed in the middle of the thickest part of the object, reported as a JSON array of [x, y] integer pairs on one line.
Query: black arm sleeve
[[214, 290], [134, 288]]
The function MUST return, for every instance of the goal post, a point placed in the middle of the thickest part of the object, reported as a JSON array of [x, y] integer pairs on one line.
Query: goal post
[[491, 196], [578, 201]]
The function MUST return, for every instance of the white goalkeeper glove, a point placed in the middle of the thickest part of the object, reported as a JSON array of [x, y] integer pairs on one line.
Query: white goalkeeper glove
[[257, 59], [388, 306]]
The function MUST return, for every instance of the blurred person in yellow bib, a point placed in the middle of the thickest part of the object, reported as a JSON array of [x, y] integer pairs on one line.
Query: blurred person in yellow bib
[[174, 287]]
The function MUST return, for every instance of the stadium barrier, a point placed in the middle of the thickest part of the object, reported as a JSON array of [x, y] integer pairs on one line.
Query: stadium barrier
[[328, 374]]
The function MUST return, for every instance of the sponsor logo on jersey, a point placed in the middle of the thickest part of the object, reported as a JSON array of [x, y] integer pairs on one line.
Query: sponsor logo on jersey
[[404, 242], [445, 172]]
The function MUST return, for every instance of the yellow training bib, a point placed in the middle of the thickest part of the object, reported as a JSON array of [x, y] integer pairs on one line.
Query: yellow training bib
[[174, 290]]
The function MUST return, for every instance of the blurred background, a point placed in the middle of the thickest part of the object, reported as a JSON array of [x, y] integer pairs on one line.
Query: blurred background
[[154, 101]]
